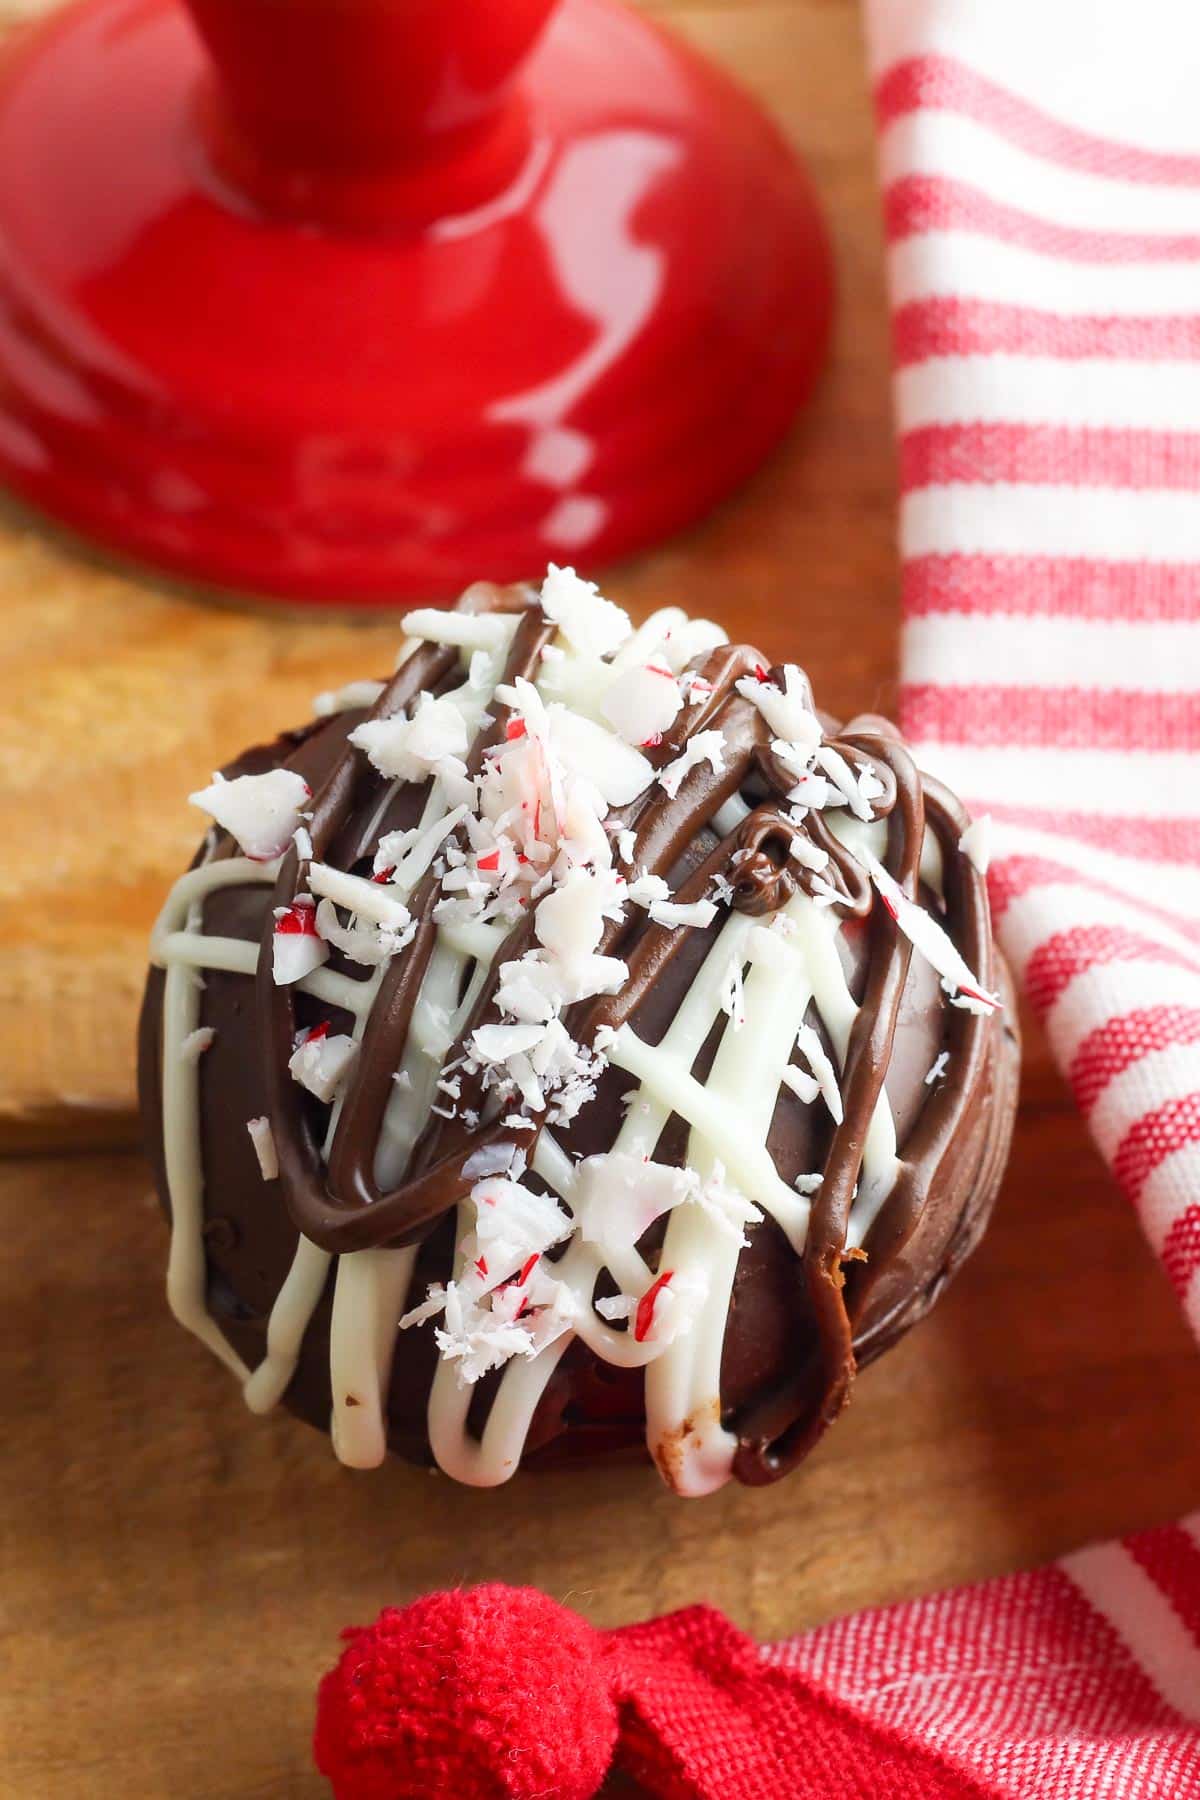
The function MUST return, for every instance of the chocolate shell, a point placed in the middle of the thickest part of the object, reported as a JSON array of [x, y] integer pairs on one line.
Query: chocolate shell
[[582, 1046]]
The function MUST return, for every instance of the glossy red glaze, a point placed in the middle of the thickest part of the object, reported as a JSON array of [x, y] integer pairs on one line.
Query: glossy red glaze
[[368, 317]]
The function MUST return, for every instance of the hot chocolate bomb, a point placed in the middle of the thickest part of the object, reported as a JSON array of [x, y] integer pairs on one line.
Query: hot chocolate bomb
[[575, 1043]]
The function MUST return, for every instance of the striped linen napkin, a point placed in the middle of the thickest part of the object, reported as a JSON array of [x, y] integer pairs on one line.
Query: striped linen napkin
[[1041, 170], [1040, 162]]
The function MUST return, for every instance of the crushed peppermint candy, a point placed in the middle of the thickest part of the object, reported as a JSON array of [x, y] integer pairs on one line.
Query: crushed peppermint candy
[[261, 811], [320, 1062], [483, 1330], [934, 944], [726, 1208], [808, 1042], [263, 1140], [668, 1307], [733, 999], [811, 792], [976, 843], [788, 711], [857, 788], [643, 1318], [807, 854], [297, 946], [805, 1087], [512, 1224], [642, 703], [722, 891], [494, 1159], [370, 900], [433, 740], [615, 1307], [705, 747], [617, 1197], [529, 1049], [350, 698], [196, 1043], [591, 625], [361, 941], [697, 914]]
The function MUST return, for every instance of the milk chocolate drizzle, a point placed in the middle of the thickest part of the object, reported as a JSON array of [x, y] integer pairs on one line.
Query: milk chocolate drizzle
[[339, 1205]]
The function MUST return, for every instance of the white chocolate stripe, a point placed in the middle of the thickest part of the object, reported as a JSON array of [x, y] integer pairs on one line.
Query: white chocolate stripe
[[683, 1389], [724, 1131], [186, 1266]]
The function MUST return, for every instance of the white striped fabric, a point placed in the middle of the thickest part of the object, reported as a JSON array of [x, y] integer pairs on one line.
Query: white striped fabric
[[1076, 1682], [1041, 191], [1041, 187]]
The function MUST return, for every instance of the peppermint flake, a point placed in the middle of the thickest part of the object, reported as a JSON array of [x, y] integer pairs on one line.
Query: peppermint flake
[[706, 747], [927, 936], [263, 1140], [261, 811]]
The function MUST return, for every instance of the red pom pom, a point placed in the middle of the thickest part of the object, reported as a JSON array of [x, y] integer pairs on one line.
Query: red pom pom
[[488, 1693]]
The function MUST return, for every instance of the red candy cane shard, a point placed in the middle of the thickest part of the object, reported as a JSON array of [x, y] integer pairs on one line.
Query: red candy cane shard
[[644, 1317]]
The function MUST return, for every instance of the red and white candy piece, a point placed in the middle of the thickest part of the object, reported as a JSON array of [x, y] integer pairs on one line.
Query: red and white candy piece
[[664, 1312], [513, 1226], [297, 947], [366, 899], [261, 811], [320, 1061], [617, 1196], [808, 1042], [642, 703], [926, 935], [788, 711]]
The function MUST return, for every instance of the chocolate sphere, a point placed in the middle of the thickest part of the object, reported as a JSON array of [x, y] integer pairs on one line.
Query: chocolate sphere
[[575, 1044]]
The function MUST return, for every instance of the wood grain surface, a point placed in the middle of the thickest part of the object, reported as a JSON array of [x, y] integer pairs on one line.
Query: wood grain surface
[[173, 1573]]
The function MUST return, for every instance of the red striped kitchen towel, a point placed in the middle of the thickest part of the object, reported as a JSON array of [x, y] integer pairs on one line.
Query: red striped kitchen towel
[[1040, 164], [1041, 184]]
